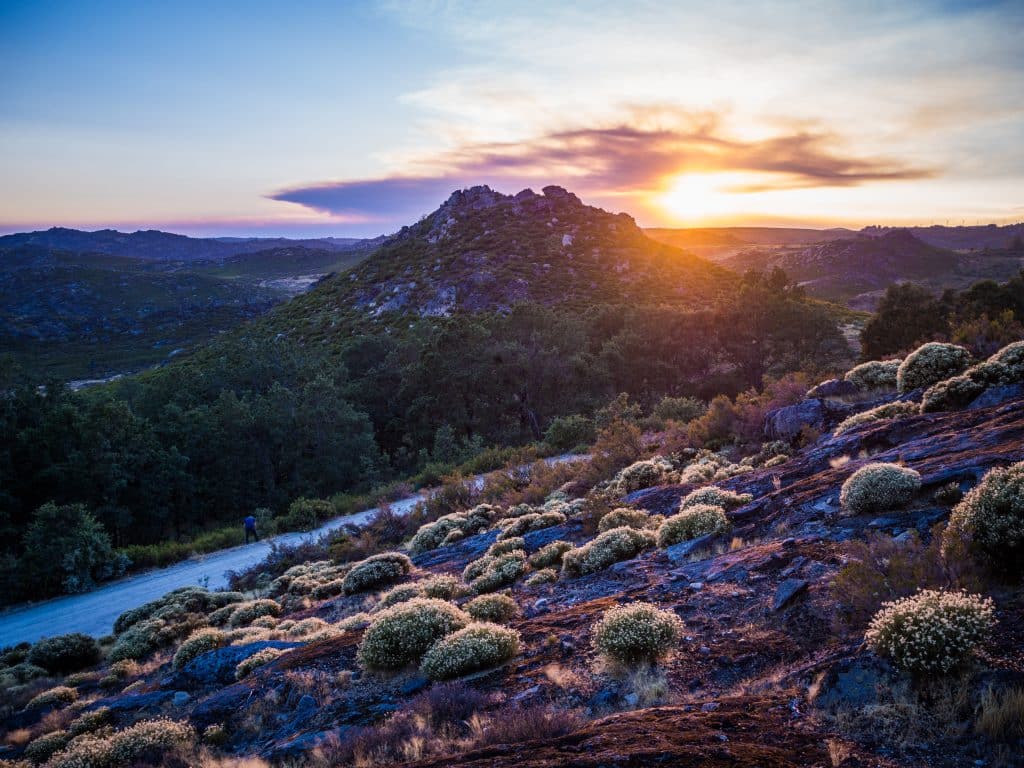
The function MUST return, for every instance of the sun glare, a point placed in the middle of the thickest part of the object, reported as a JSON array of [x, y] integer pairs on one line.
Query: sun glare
[[696, 197]]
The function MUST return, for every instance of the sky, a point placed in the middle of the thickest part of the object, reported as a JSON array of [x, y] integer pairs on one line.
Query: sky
[[354, 118]]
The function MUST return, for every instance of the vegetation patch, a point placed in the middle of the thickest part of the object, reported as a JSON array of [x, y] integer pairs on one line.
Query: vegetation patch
[[879, 487], [401, 635], [879, 413], [624, 516], [693, 522], [875, 374], [715, 497], [931, 363], [377, 571], [990, 519], [471, 649], [494, 608], [639, 633], [607, 548]]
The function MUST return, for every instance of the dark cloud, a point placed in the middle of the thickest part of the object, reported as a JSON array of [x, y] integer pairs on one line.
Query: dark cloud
[[622, 162]]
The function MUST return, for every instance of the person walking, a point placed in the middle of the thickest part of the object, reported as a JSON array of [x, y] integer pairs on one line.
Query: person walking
[[250, 529]]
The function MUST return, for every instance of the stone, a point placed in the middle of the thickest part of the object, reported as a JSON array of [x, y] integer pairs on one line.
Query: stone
[[997, 396], [529, 692], [853, 683], [301, 745], [833, 388], [217, 667], [786, 591], [711, 706], [414, 685], [181, 698], [134, 702], [631, 699], [306, 703], [679, 553]]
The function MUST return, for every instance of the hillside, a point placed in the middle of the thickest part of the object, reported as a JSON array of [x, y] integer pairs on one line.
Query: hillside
[[765, 663], [78, 314], [484, 251]]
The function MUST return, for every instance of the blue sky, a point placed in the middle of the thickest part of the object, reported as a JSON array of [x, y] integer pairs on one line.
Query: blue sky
[[353, 118]]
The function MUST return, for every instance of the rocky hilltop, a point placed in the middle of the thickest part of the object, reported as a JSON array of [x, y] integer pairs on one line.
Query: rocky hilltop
[[482, 250]]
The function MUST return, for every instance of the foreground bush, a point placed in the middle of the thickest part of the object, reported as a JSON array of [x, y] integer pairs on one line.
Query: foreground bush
[[715, 497], [693, 522], [991, 517], [246, 613], [882, 412], [401, 635], [64, 653], [932, 632], [475, 647], [197, 644], [930, 364], [550, 554], [494, 608], [636, 633], [494, 572], [609, 547], [1004, 367], [642, 474], [442, 586], [517, 526], [876, 374], [44, 747], [400, 594], [624, 516], [376, 571], [433, 535], [879, 487], [60, 694], [146, 742]]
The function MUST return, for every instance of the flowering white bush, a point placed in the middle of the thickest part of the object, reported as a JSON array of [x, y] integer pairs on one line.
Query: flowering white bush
[[504, 546], [879, 487], [146, 739], [442, 586], [516, 526], [478, 646], [875, 374], [399, 594], [258, 659], [609, 547], [931, 363], [624, 516], [550, 554], [493, 572], [60, 694], [931, 632], [692, 522], [1011, 356], [495, 608], [642, 474], [880, 413], [246, 613], [402, 634], [716, 497], [636, 633], [1004, 367], [991, 517], [433, 535], [198, 643], [543, 576], [377, 571]]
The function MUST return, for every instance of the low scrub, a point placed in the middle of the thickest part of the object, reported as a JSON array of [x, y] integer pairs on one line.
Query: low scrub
[[990, 519], [55, 696], [504, 546], [400, 594], [197, 644], [624, 516], [638, 633], [64, 653], [491, 572], [246, 613], [878, 487], [541, 577], [931, 363], [881, 413], [475, 647], [693, 522], [1004, 367], [874, 374], [643, 474], [716, 497], [146, 742], [550, 554], [609, 547], [433, 535], [517, 526], [257, 660], [932, 632], [401, 635], [377, 571], [494, 608]]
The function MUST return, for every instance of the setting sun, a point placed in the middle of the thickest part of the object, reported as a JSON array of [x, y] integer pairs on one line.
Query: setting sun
[[696, 197]]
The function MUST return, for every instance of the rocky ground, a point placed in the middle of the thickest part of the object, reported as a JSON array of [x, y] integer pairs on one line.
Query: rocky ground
[[767, 674]]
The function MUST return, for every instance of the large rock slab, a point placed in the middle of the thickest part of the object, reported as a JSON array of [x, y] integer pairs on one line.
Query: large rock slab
[[218, 667]]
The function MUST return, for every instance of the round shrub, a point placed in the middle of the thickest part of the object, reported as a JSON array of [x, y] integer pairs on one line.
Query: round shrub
[[65, 653], [991, 517], [475, 647], [400, 594], [144, 742], [91, 721], [401, 635], [246, 613], [716, 497], [246, 666], [60, 694], [609, 547], [642, 474], [496, 608], [543, 576], [41, 749], [443, 587], [882, 412], [507, 545], [931, 363], [197, 644], [693, 522], [958, 391], [550, 554], [377, 571], [931, 632], [306, 514], [517, 526], [624, 516], [567, 432], [878, 487], [875, 374], [433, 535], [636, 633], [498, 572]]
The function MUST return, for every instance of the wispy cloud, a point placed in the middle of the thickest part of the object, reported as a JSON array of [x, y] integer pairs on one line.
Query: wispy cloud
[[625, 162]]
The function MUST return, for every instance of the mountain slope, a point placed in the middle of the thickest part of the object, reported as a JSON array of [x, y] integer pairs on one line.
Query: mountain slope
[[484, 251]]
